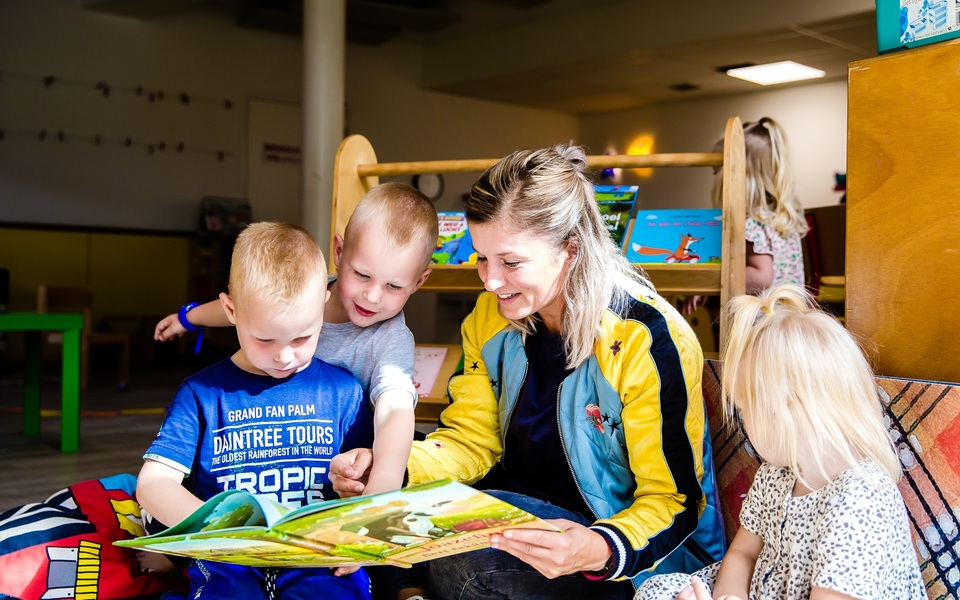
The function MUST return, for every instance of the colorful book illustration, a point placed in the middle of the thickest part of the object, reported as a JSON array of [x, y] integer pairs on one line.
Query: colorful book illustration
[[454, 245], [675, 236], [616, 203], [401, 527]]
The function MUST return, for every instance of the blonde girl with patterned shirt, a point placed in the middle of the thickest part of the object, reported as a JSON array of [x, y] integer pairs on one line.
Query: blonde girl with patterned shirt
[[823, 519], [775, 221]]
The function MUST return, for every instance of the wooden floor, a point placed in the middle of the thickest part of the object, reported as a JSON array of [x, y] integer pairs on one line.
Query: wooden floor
[[115, 429]]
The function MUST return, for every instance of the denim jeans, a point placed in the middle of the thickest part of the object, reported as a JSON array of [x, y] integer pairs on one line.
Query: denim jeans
[[210, 579], [493, 574]]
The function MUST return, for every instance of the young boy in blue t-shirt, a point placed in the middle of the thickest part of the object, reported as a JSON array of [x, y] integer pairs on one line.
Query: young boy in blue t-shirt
[[268, 419]]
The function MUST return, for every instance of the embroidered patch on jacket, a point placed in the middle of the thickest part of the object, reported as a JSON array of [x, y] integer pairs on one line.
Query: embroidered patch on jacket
[[615, 348], [594, 417]]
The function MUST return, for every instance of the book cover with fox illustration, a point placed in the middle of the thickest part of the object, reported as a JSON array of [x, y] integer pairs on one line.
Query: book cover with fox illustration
[[398, 528], [675, 236]]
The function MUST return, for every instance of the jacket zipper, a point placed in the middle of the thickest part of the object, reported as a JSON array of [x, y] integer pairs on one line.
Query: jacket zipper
[[566, 455]]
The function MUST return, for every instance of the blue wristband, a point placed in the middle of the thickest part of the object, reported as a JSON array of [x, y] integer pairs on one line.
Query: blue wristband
[[182, 317]]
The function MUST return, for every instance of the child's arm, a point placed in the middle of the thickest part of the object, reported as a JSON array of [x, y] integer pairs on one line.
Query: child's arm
[[697, 591], [759, 271], [819, 593], [393, 435], [206, 315], [736, 568], [160, 491]]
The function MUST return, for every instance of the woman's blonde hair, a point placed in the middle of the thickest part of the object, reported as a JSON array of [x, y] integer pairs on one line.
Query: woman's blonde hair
[[802, 382], [277, 263], [402, 215], [770, 195], [547, 194]]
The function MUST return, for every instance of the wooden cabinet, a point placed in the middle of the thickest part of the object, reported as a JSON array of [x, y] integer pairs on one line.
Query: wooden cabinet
[[903, 210]]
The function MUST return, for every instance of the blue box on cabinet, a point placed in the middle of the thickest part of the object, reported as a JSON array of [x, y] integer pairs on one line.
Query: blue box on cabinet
[[910, 23]]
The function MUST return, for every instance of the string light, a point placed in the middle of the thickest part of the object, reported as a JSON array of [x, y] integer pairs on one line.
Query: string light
[[106, 89], [126, 142]]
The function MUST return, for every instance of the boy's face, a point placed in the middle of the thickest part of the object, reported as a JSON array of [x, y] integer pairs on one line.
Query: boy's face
[[376, 277], [277, 342]]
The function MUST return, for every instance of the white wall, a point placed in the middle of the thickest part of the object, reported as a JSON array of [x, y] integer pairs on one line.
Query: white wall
[[205, 55], [814, 118], [404, 122], [79, 183]]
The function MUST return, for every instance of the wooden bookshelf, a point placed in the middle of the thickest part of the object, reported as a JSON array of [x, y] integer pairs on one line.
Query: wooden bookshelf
[[357, 170]]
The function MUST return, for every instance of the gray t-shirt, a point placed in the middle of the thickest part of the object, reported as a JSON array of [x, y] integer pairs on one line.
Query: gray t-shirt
[[379, 356]]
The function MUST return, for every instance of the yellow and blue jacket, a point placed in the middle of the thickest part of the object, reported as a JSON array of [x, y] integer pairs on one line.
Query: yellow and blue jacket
[[632, 424]]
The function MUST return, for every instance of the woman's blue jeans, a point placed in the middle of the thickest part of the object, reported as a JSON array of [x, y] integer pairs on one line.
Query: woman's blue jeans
[[492, 574]]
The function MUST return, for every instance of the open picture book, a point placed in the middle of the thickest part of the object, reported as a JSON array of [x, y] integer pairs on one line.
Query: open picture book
[[401, 527]]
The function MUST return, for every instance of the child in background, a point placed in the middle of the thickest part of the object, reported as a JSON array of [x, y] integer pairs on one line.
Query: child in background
[[775, 221], [268, 419], [823, 518], [382, 259]]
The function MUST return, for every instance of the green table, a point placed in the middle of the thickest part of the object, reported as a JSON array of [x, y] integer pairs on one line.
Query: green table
[[32, 325]]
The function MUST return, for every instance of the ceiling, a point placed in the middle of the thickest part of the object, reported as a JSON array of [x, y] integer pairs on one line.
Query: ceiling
[[578, 56]]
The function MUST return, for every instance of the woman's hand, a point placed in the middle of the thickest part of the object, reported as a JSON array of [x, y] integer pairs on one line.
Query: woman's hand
[[554, 553], [697, 591], [349, 471]]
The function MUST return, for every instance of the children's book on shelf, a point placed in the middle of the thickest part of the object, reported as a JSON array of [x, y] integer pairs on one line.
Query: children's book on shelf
[[616, 203], [399, 528], [454, 245], [675, 236]]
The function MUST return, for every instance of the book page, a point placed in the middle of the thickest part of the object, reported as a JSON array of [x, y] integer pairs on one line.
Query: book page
[[398, 528], [427, 361]]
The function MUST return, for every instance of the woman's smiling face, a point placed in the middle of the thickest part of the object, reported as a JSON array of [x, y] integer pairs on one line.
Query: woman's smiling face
[[525, 271]]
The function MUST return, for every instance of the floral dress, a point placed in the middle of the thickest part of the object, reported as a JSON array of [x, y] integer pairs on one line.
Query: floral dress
[[787, 252], [850, 536]]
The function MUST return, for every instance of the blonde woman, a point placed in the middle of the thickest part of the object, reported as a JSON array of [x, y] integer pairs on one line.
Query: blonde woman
[[823, 518], [579, 401]]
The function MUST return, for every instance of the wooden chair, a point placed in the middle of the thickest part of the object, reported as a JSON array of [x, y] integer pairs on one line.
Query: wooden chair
[[79, 299]]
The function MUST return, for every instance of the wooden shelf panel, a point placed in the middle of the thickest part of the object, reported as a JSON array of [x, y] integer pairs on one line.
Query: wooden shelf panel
[[685, 279], [669, 279], [453, 278]]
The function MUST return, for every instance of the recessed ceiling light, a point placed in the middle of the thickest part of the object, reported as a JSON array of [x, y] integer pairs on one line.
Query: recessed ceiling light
[[778, 72]]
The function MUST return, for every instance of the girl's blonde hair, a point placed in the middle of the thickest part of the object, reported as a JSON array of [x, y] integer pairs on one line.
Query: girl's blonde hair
[[803, 383], [277, 263], [401, 213], [770, 195], [547, 194]]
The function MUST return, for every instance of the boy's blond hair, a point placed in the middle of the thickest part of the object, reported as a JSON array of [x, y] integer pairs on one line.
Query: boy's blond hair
[[401, 213], [275, 262], [797, 375]]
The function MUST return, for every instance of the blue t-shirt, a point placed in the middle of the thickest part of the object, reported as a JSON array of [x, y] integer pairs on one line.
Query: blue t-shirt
[[230, 429]]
